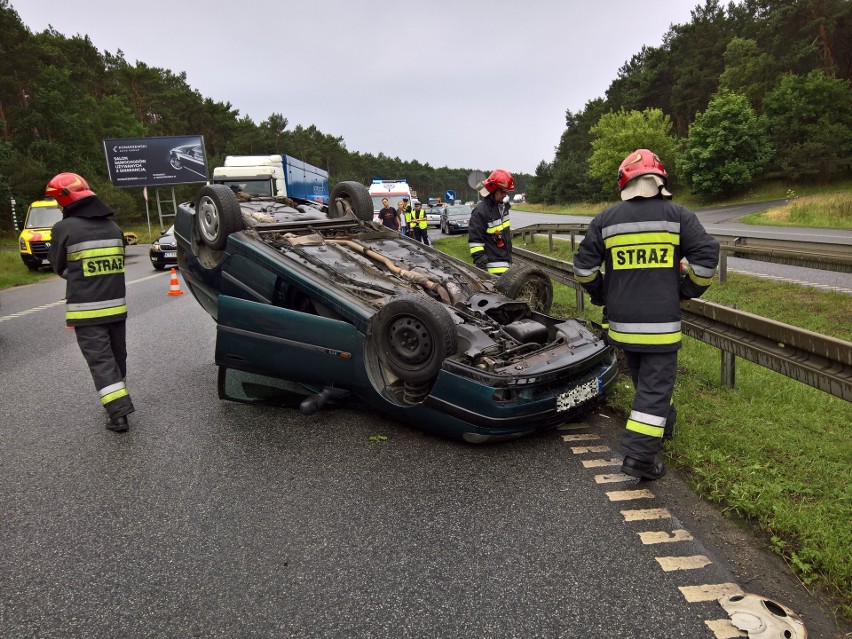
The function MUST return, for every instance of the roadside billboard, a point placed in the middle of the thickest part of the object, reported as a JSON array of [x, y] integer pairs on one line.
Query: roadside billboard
[[156, 161]]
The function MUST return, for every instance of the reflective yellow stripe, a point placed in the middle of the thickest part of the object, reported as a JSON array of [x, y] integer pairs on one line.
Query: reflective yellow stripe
[[585, 279], [106, 399], [101, 312], [498, 228], [645, 429], [701, 281], [476, 249], [498, 269], [101, 252], [645, 338], [642, 238]]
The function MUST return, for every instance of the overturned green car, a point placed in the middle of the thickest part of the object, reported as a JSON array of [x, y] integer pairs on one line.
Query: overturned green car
[[316, 303]]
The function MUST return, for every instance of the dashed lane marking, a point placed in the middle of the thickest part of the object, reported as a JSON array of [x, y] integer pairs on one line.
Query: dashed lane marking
[[627, 495], [709, 592], [724, 629], [599, 463], [644, 514], [578, 450], [579, 437], [44, 307], [663, 537], [613, 478], [693, 562]]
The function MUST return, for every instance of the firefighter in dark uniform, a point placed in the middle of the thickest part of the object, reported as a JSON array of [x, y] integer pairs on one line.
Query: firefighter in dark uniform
[[87, 250], [640, 243], [489, 235]]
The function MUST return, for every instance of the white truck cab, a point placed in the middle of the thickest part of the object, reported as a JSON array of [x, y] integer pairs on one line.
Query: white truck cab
[[273, 175]]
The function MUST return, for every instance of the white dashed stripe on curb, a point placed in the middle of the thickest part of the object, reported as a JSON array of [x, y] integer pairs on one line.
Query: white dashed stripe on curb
[[627, 495], [646, 514], [724, 629], [580, 437], [579, 450], [663, 537], [709, 592], [598, 463], [668, 564]]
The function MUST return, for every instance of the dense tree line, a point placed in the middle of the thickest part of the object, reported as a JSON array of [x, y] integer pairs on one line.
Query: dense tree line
[[758, 89], [60, 96]]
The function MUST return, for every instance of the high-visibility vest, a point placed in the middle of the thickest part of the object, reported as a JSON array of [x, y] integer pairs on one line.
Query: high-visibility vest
[[418, 218]]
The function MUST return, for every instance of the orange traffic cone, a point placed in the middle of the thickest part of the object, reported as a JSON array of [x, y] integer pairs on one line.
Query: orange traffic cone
[[174, 289]]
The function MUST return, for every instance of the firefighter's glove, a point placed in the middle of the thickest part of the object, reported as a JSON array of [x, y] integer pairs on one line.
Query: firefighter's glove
[[481, 262]]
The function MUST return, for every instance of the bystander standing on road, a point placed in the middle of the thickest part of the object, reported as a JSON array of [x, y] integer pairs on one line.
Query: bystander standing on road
[[389, 215], [408, 227], [87, 250], [403, 218], [630, 263], [420, 224], [489, 232]]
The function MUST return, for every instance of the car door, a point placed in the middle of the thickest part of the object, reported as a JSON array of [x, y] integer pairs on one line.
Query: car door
[[264, 328]]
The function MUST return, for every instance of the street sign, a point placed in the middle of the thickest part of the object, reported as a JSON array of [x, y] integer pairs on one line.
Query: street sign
[[450, 196], [475, 178]]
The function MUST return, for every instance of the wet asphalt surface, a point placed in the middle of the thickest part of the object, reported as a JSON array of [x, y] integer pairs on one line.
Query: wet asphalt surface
[[214, 519]]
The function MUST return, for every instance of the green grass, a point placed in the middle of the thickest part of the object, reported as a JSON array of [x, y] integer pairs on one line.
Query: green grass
[[766, 191], [13, 272], [833, 210], [773, 451]]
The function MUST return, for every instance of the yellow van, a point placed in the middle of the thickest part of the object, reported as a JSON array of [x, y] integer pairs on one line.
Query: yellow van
[[34, 241]]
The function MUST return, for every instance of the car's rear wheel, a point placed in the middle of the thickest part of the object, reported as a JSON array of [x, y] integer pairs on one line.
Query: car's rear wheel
[[412, 336], [351, 196], [217, 215], [529, 284]]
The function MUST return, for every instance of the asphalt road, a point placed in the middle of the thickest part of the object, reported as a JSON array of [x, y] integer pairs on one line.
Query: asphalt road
[[214, 519]]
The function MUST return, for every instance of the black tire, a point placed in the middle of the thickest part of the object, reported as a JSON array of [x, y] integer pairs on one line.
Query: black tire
[[413, 335], [351, 196], [32, 266], [529, 284], [175, 162], [217, 215]]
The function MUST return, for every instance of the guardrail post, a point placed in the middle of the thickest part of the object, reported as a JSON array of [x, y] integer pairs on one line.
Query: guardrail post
[[573, 241], [581, 301], [550, 241], [729, 366], [723, 265]]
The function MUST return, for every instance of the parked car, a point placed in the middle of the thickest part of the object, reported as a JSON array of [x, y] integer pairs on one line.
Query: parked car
[[318, 303], [188, 155], [455, 219], [163, 251], [433, 215]]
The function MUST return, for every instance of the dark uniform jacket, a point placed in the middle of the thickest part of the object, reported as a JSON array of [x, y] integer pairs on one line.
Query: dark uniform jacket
[[640, 244], [490, 237], [87, 249]]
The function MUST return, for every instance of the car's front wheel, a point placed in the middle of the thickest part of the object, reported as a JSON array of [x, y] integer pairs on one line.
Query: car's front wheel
[[531, 285], [412, 335], [351, 196], [217, 215]]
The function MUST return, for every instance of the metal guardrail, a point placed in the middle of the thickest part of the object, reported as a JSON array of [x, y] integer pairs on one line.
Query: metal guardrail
[[820, 255], [817, 360]]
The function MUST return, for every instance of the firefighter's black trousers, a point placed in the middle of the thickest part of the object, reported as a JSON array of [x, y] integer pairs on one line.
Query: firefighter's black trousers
[[653, 416], [103, 346]]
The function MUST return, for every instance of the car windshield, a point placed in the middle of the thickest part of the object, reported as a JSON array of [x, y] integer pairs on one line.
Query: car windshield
[[458, 211], [258, 188], [43, 217]]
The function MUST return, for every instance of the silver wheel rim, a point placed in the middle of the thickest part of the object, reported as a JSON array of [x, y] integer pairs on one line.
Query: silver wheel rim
[[208, 219]]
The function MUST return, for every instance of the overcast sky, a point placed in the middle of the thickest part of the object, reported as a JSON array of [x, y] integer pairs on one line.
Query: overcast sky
[[461, 83]]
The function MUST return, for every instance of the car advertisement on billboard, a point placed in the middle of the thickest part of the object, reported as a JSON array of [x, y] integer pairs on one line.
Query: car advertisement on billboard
[[157, 161]]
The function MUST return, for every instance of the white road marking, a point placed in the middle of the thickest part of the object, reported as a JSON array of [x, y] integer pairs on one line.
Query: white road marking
[[709, 592], [598, 463], [724, 629], [579, 437], [578, 450], [693, 562], [646, 514], [663, 537], [627, 495]]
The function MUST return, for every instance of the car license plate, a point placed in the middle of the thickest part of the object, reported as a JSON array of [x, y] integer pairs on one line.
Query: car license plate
[[169, 254], [578, 395]]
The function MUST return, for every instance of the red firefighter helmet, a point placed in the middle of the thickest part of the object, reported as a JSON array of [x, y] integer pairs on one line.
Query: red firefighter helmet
[[499, 179], [66, 188], [640, 162]]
